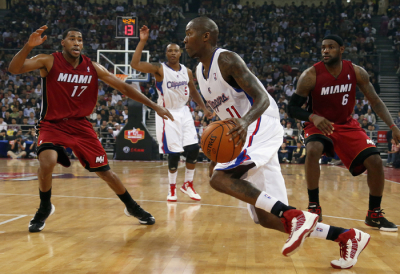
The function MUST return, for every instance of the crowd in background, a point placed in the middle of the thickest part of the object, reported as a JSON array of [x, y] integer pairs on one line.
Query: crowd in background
[[276, 42]]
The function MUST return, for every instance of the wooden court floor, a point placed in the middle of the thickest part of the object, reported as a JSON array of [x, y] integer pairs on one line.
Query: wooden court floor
[[89, 232]]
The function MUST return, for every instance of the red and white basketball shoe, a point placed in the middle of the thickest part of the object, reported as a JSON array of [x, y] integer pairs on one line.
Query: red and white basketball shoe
[[351, 244], [172, 193], [188, 189], [299, 224]]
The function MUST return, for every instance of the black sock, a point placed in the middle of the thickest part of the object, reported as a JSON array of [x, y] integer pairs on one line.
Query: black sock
[[45, 198], [313, 195], [334, 232], [374, 202], [127, 199], [279, 208]]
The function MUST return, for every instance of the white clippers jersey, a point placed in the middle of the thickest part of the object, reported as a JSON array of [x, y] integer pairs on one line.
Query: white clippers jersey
[[224, 99], [173, 91]]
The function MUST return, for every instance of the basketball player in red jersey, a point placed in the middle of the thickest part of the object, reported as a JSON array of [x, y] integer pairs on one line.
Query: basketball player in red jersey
[[69, 82], [330, 86]]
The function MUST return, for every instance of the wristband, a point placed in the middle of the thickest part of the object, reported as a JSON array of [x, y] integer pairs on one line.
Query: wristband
[[310, 118], [393, 125]]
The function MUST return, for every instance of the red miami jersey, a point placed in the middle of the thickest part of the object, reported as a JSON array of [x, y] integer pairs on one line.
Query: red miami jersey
[[69, 92], [334, 98]]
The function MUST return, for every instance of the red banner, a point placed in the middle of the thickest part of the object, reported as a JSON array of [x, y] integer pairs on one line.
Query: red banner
[[382, 136]]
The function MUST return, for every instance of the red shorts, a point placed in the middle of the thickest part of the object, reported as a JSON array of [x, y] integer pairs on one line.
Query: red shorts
[[349, 141], [77, 134]]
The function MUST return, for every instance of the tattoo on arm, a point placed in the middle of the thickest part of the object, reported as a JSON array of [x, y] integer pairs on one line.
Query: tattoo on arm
[[306, 82], [157, 65]]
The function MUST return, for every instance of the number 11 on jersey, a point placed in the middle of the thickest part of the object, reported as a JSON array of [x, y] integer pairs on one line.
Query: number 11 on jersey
[[236, 112]]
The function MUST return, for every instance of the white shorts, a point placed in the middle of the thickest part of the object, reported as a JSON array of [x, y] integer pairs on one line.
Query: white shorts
[[172, 136], [264, 138]]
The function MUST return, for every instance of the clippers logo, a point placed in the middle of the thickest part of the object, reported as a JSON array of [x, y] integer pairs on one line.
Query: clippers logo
[[134, 135], [218, 101]]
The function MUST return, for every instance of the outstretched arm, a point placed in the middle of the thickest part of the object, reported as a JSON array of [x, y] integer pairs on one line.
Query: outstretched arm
[[129, 91], [196, 95], [19, 64], [377, 105], [146, 67]]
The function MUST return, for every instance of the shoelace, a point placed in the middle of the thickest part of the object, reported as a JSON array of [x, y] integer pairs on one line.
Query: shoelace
[[343, 250], [378, 213], [190, 184]]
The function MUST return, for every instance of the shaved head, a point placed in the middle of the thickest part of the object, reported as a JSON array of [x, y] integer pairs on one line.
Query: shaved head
[[204, 25], [172, 44]]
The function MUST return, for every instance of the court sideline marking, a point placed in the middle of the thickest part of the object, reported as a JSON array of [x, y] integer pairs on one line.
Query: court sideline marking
[[104, 198]]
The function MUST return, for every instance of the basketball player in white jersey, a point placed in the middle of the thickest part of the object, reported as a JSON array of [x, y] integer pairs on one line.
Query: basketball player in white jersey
[[237, 95], [174, 82]]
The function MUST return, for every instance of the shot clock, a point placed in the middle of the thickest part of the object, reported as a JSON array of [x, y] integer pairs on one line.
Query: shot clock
[[126, 27]]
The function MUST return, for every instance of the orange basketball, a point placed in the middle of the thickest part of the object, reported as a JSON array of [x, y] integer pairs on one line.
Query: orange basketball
[[216, 145]]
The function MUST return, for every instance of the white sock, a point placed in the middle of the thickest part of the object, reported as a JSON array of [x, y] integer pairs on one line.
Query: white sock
[[189, 174], [321, 231], [265, 201], [172, 177]]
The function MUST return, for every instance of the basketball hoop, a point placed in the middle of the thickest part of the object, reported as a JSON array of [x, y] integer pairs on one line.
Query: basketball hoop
[[122, 77]]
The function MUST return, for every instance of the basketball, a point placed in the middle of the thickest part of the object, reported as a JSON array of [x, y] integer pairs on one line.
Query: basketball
[[216, 145]]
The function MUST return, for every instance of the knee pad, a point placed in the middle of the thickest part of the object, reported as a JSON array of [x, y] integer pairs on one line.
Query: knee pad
[[173, 161], [191, 153]]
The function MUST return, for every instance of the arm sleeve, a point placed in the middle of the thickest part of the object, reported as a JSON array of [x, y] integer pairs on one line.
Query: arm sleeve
[[295, 110]]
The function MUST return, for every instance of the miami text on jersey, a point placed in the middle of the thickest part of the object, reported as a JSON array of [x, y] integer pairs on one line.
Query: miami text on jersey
[[74, 78], [218, 101], [173, 84], [335, 89]]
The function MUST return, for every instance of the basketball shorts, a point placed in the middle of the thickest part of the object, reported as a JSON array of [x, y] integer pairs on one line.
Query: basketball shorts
[[349, 141], [77, 134], [172, 136], [264, 138]]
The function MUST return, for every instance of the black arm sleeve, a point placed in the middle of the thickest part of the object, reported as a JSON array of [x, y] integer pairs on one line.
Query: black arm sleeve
[[295, 110]]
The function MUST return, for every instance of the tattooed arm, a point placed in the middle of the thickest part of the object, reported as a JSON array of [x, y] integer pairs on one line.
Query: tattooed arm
[[376, 103], [235, 72]]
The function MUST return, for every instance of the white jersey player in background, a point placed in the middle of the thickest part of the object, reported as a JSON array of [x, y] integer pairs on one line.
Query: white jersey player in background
[[255, 176], [174, 83]]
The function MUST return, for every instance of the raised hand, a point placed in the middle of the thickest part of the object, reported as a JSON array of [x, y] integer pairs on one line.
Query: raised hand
[[36, 38], [144, 33]]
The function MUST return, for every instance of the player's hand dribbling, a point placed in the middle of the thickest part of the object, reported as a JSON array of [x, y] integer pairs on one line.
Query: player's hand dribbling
[[240, 129], [396, 134], [36, 38], [324, 125], [144, 33], [164, 113]]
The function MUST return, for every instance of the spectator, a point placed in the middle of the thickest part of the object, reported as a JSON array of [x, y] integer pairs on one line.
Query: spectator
[[283, 154], [17, 149], [370, 117], [28, 110], [396, 121], [299, 154], [117, 130], [115, 97], [3, 135], [3, 125], [392, 154], [32, 119]]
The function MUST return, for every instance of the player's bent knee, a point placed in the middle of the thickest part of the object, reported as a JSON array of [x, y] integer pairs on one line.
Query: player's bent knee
[[315, 150], [173, 161], [217, 180], [192, 152], [373, 162]]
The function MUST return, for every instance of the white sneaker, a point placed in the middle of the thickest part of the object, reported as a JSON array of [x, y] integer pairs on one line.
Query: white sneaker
[[351, 244], [172, 193], [300, 224], [188, 189]]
